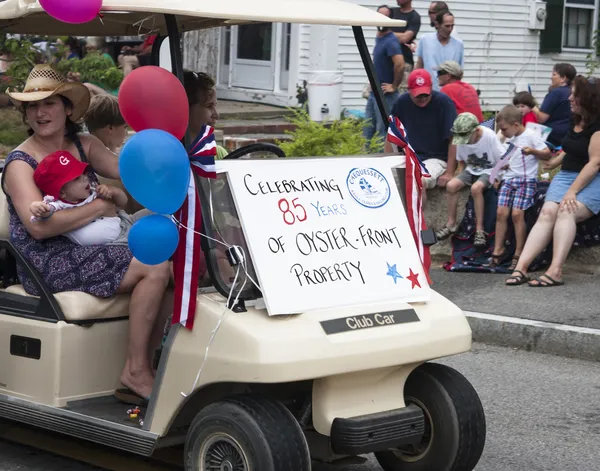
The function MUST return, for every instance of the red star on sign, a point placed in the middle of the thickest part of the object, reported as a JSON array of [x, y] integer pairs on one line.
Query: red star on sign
[[414, 279]]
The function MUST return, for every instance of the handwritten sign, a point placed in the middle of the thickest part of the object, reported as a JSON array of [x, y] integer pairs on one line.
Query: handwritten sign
[[326, 233]]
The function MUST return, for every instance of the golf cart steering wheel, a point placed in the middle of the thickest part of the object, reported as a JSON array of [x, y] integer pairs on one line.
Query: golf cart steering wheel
[[257, 147]]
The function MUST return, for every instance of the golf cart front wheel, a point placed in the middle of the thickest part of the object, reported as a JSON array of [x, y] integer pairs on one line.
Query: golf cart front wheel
[[246, 433], [455, 426]]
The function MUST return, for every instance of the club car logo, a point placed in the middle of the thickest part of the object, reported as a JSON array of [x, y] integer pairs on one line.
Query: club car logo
[[368, 187]]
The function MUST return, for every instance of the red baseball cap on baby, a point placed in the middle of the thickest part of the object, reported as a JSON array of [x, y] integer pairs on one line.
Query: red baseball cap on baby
[[419, 82], [57, 169]]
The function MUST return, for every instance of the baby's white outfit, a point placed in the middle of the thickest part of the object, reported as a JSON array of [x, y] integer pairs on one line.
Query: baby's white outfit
[[102, 231]]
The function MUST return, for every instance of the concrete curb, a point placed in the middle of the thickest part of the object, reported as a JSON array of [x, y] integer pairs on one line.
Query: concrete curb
[[536, 336]]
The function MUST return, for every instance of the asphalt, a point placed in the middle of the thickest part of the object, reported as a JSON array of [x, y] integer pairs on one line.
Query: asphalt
[[542, 414]]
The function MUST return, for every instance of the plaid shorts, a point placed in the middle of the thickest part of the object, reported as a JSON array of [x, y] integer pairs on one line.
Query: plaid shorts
[[517, 193]]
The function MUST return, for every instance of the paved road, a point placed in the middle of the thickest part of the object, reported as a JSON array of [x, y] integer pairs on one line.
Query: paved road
[[575, 303], [543, 414]]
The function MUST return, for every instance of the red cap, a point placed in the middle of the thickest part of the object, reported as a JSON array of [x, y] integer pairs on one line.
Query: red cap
[[57, 169], [419, 82]]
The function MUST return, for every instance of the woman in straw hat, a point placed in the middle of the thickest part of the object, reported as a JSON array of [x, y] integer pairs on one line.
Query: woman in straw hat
[[51, 106]]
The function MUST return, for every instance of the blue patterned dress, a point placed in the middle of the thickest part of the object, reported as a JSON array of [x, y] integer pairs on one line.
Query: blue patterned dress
[[64, 265]]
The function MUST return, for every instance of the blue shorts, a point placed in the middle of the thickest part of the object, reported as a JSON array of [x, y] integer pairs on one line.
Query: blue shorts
[[517, 193], [589, 196]]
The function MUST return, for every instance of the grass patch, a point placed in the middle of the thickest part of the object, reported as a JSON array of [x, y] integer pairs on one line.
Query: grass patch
[[12, 130]]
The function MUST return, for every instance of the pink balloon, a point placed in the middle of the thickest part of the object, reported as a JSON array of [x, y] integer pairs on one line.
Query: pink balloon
[[72, 11]]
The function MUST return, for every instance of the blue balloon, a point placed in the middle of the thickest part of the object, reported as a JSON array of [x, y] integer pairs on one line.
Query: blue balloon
[[153, 239], [155, 169]]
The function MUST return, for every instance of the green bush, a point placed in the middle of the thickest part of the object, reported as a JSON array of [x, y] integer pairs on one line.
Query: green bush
[[342, 137]]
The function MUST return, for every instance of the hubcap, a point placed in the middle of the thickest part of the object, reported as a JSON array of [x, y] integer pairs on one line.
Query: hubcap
[[221, 452], [414, 453]]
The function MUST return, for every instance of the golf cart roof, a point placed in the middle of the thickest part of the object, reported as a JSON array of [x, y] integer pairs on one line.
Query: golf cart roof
[[135, 17]]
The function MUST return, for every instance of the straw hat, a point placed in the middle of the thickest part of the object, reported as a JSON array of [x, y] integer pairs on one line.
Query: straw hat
[[44, 82]]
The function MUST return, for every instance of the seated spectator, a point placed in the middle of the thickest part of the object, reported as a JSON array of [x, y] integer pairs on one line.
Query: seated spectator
[[137, 56], [72, 48], [519, 182], [428, 116], [574, 193], [526, 103], [202, 97], [464, 95], [555, 111], [98, 44], [478, 151]]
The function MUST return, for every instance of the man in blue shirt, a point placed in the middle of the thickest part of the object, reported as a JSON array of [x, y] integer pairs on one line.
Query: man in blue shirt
[[428, 117], [441, 46], [389, 67]]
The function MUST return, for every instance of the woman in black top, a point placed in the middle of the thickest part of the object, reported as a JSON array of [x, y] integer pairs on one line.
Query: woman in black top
[[574, 194]]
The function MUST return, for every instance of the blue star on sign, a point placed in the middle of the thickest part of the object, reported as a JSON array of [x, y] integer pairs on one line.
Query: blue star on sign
[[393, 272]]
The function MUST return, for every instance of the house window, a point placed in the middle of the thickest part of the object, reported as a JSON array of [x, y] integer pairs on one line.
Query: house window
[[579, 23]]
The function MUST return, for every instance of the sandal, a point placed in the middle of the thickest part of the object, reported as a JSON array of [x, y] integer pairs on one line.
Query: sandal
[[497, 260], [127, 396], [545, 281], [519, 279], [445, 232], [480, 239], [513, 263]]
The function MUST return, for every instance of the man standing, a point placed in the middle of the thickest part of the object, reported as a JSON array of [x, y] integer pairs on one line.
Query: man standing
[[389, 67], [438, 47], [433, 11], [463, 95], [428, 117], [406, 34]]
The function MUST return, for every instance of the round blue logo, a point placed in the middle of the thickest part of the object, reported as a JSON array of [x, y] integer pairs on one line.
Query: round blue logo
[[368, 187]]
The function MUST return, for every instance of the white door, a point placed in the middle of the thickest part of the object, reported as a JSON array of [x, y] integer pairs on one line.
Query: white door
[[253, 56]]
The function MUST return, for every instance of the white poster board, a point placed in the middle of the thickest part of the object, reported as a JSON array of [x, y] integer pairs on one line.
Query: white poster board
[[326, 233]]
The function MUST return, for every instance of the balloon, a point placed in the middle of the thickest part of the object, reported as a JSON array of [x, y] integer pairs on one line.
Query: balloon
[[153, 239], [72, 11], [155, 169], [152, 98]]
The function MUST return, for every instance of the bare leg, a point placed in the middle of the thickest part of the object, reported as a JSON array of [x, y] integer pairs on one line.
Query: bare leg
[[452, 188], [477, 193], [564, 235], [166, 309], [147, 286], [518, 217], [501, 227], [539, 237], [128, 63]]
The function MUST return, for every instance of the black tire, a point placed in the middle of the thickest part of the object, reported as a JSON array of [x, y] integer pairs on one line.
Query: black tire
[[260, 434], [455, 426]]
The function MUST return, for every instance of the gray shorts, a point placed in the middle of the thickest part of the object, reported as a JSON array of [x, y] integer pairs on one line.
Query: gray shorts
[[468, 178]]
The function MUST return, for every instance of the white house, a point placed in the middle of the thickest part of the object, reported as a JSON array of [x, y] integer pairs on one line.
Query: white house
[[503, 50]]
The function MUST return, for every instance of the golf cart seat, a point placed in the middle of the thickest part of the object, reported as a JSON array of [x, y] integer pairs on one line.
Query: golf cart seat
[[70, 306]]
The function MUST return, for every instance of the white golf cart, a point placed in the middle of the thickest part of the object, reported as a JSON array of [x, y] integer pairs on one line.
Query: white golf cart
[[276, 392]]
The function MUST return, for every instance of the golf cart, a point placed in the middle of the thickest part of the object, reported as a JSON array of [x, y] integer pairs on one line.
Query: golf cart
[[267, 379]]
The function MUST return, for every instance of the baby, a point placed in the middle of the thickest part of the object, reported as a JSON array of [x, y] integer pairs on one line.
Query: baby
[[64, 181]]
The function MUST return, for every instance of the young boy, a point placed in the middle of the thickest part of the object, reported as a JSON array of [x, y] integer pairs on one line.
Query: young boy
[[478, 150], [103, 120], [526, 103], [519, 181], [65, 182]]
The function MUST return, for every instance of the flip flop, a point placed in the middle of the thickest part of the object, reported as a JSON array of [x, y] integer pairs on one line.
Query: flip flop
[[520, 279], [128, 396], [545, 281]]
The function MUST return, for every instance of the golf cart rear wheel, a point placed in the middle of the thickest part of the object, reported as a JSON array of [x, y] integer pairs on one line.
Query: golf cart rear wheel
[[246, 433], [454, 423]]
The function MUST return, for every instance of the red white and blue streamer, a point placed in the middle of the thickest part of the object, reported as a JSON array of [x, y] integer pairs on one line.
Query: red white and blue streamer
[[415, 171], [188, 260]]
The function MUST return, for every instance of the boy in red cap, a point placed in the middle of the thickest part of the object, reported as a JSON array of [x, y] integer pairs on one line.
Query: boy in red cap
[[64, 181]]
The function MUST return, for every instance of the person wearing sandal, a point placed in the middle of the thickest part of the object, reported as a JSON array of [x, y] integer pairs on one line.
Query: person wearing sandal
[[574, 193], [519, 183], [478, 150]]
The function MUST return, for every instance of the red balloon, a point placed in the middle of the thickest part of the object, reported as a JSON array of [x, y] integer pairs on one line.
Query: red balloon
[[150, 97]]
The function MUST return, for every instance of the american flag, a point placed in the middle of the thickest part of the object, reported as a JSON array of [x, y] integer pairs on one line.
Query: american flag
[[490, 123], [188, 259], [415, 171]]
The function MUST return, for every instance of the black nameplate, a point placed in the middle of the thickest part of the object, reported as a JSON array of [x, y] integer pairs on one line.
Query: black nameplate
[[368, 321], [26, 347]]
